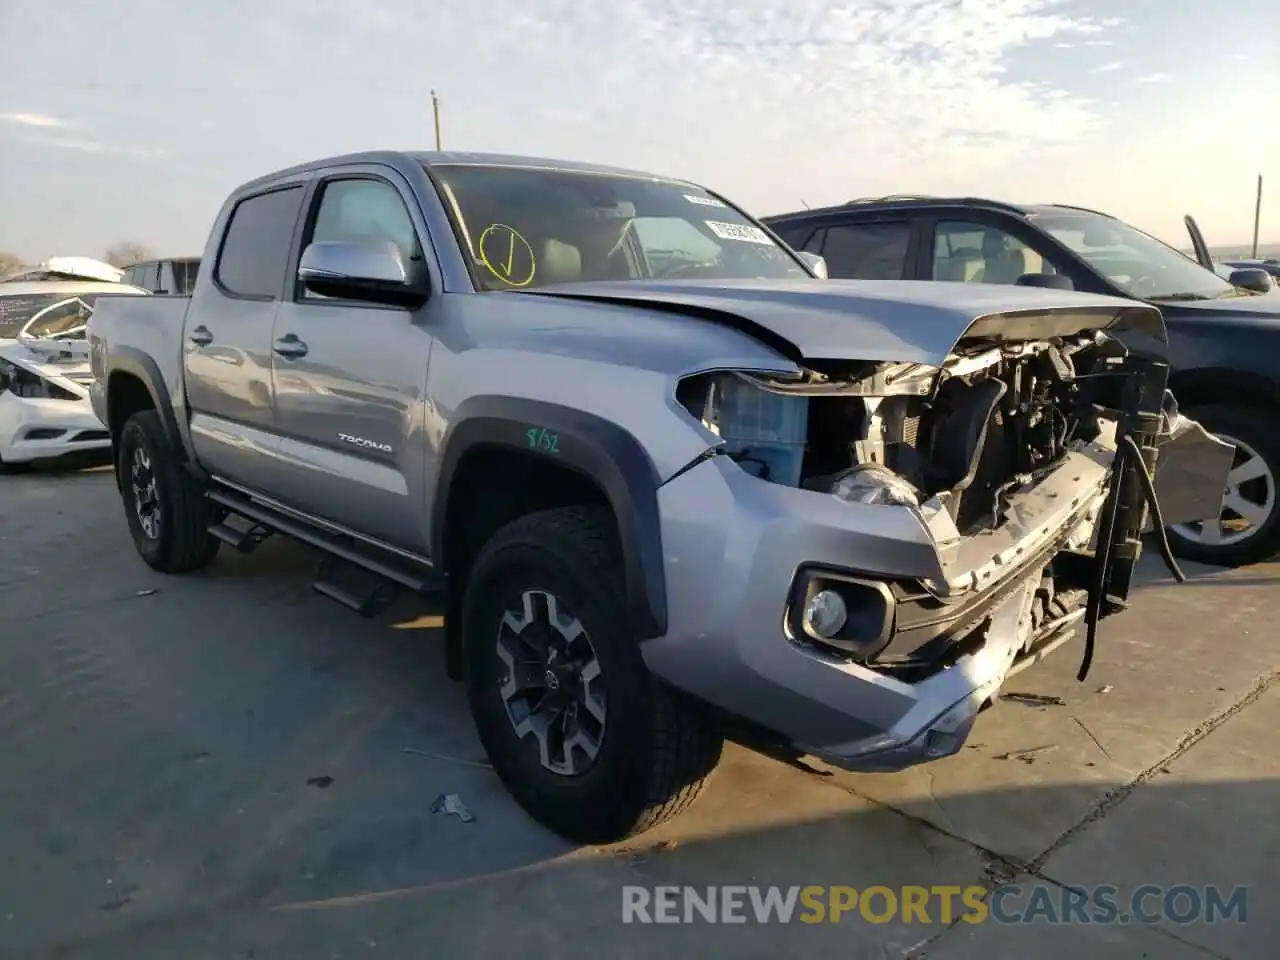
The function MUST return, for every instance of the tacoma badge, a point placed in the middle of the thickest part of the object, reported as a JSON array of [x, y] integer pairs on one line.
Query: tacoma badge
[[362, 442]]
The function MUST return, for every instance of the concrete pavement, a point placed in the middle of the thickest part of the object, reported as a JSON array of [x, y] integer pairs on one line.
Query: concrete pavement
[[227, 765]]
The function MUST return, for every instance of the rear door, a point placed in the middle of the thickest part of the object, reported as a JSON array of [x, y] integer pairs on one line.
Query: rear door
[[350, 378], [872, 249], [228, 337]]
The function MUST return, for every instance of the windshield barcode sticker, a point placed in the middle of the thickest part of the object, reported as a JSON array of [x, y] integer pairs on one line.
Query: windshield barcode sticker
[[739, 231], [703, 201]]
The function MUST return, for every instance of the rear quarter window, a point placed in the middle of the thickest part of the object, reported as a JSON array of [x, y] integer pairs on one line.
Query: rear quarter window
[[255, 247]]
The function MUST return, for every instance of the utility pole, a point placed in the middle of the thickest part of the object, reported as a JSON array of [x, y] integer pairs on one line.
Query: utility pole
[[1257, 218], [435, 110]]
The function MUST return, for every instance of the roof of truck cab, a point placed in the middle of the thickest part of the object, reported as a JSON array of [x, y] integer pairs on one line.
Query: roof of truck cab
[[913, 202], [398, 159]]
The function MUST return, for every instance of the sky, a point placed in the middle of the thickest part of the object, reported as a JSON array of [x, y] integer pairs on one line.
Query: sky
[[131, 121]]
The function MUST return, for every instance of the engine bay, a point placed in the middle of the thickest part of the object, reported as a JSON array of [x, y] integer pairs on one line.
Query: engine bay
[[988, 423]]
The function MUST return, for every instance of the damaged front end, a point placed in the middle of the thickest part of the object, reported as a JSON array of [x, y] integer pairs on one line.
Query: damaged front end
[[1029, 456]]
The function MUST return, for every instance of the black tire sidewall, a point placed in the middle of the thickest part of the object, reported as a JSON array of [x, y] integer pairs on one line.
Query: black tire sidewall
[[139, 433], [613, 791], [1254, 427]]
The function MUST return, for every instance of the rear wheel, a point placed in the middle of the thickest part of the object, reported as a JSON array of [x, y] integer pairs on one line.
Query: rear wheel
[[588, 741], [166, 508], [1248, 528]]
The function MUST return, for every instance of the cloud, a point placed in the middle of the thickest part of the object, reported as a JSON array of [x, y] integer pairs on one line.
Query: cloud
[[1099, 43], [1111, 67], [1239, 56], [31, 120], [1154, 78], [749, 88], [93, 146]]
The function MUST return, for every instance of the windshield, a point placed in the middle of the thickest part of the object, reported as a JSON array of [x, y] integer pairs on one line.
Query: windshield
[[54, 314], [526, 227], [1137, 263]]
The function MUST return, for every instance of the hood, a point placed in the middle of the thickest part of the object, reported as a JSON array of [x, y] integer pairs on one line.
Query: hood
[[865, 320], [1263, 310], [73, 268], [68, 359]]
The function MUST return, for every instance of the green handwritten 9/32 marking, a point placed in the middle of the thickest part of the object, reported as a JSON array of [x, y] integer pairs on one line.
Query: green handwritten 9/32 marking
[[540, 438]]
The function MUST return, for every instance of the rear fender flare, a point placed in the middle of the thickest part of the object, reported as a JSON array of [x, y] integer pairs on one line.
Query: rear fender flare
[[134, 362]]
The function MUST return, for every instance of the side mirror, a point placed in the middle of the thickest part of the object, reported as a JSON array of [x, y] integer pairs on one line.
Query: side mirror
[[372, 271], [1050, 281], [814, 262], [1258, 281]]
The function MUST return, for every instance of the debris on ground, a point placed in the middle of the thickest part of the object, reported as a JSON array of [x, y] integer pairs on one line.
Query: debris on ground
[[998, 871], [1034, 699], [444, 757], [451, 803], [1106, 688], [145, 593], [320, 782], [1029, 755]]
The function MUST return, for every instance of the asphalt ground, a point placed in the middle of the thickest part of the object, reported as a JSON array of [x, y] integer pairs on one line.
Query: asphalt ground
[[229, 765]]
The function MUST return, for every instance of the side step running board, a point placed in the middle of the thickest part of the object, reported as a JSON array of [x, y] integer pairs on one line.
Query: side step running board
[[246, 541], [387, 570]]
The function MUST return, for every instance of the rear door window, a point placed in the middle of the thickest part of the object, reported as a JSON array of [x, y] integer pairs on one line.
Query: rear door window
[[865, 251], [255, 247]]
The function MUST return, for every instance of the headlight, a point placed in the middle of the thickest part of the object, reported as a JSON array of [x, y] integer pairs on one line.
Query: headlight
[[871, 483], [847, 613], [763, 432], [21, 382]]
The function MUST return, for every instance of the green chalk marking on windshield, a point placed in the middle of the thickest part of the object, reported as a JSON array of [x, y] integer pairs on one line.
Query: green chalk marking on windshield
[[540, 438]]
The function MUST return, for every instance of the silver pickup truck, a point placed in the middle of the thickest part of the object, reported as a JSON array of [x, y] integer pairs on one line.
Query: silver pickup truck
[[671, 485]]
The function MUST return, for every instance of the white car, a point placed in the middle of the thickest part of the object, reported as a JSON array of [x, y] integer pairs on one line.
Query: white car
[[44, 370]]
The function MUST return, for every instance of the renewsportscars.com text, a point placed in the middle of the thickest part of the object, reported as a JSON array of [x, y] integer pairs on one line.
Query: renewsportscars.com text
[[938, 904]]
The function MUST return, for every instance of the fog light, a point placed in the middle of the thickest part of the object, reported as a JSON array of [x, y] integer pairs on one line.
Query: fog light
[[825, 614]]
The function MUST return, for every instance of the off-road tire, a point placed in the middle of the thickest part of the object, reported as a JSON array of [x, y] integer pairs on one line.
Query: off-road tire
[[658, 748], [1257, 429], [184, 543]]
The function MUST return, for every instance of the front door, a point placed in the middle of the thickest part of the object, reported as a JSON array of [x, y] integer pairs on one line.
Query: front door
[[350, 378]]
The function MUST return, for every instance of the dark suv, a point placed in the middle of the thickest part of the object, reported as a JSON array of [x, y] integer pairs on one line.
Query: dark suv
[[1224, 340]]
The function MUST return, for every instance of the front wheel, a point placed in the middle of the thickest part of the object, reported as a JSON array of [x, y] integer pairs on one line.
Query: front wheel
[[166, 508], [1247, 530], [582, 735]]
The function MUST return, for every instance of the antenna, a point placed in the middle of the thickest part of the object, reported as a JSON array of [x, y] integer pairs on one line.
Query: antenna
[[435, 110], [1257, 217]]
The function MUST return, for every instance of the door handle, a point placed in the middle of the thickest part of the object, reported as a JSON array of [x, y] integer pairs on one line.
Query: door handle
[[290, 346], [201, 336]]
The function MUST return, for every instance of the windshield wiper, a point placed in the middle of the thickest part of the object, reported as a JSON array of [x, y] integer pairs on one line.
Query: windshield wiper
[[1181, 296]]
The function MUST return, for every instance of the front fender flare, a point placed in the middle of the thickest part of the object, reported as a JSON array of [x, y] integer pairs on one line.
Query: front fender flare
[[601, 451]]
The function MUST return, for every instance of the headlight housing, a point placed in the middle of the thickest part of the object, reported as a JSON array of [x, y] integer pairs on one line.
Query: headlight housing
[[763, 432], [21, 382]]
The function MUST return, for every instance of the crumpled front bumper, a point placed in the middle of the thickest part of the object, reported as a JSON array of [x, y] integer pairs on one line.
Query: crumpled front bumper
[[924, 733], [733, 549]]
